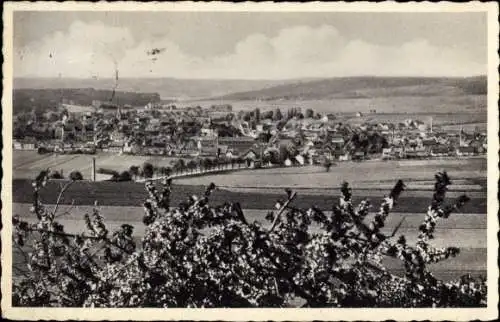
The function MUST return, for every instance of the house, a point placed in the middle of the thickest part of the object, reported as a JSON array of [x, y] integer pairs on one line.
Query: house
[[223, 151], [24, 145], [230, 155], [328, 117], [345, 157], [206, 145], [429, 143], [310, 155], [422, 127], [382, 127], [442, 140], [359, 155], [398, 152], [114, 147], [465, 151], [237, 144], [169, 148], [117, 136], [207, 131], [131, 148], [221, 108], [17, 145], [338, 141], [397, 141], [189, 148], [250, 154], [251, 157], [439, 151], [327, 151], [412, 154], [153, 129], [300, 159], [387, 153]]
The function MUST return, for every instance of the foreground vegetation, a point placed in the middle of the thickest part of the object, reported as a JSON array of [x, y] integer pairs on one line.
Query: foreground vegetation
[[203, 255]]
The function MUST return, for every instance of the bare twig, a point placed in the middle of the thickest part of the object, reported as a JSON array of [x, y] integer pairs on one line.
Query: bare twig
[[67, 210], [276, 286], [22, 252], [63, 189], [21, 271], [282, 209], [62, 234], [398, 226]]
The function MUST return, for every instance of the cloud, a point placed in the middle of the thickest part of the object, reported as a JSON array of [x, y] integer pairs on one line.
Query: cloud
[[90, 49]]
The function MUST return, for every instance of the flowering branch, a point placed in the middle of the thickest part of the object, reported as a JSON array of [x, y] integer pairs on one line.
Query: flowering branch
[[199, 255]]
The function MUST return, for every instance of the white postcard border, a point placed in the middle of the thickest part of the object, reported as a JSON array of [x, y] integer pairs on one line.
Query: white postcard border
[[254, 314]]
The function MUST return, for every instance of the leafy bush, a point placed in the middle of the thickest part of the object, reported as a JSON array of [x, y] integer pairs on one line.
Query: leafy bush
[[107, 171], [203, 255], [54, 174], [147, 170], [76, 175], [122, 176]]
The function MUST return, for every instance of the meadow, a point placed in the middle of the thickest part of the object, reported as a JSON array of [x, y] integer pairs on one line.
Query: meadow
[[366, 175], [445, 106], [27, 164]]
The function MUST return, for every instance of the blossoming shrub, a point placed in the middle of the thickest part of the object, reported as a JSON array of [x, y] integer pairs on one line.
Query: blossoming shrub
[[203, 255]]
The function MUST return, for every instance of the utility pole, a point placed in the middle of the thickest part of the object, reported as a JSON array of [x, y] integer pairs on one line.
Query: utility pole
[[93, 169], [461, 142]]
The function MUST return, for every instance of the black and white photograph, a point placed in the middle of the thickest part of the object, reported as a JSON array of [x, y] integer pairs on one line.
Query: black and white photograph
[[245, 156]]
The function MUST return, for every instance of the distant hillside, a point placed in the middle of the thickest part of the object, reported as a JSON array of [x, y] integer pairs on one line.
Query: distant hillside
[[166, 87], [366, 87], [25, 100]]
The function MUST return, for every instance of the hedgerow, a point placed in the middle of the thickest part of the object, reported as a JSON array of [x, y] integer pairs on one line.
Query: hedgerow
[[201, 255]]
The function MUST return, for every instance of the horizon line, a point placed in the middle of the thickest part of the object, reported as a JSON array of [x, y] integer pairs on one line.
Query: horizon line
[[254, 79]]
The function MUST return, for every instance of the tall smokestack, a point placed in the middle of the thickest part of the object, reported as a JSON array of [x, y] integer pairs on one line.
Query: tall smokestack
[[93, 169]]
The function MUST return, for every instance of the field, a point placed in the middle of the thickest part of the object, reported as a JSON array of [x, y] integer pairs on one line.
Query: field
[[467, 127], [27, 164], [410, 105], [258, 191], [129, 194], [367, 175]]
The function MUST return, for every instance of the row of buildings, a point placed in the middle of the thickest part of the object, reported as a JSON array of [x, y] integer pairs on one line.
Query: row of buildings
[[217, 132]]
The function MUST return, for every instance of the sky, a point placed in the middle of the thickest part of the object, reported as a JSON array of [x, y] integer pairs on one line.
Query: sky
[[248, 45]]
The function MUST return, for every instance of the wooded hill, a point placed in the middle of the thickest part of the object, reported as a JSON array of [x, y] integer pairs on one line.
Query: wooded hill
[[367, 87]]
